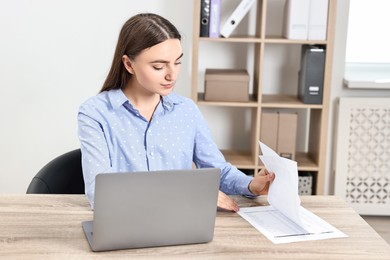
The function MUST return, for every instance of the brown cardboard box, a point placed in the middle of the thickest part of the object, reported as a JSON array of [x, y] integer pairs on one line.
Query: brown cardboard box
[[226, 85], [287, 132], [278, 131], [269, 130]]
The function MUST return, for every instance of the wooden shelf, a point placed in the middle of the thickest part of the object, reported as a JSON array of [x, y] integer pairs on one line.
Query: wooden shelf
[[281, 40], [240, 159], [238, 39], [285, 101], [261, 46], [305, 162], [251, 103], [255, 39]]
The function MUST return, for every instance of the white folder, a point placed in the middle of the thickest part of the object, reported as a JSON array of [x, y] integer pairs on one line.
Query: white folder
[[236, 17], [296, 19], [318, 17]]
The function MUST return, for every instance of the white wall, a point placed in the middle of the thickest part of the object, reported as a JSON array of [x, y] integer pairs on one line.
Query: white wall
[[53, 56]]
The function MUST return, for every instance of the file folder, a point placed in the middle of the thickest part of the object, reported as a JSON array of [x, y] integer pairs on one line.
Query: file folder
[[296, 19], [318, 18], [215, 15], [236, 17], [204, 18], [311, 74]]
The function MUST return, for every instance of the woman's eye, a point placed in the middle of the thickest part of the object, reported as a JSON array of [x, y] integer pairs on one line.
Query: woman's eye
[[157, 68], [177, 62]]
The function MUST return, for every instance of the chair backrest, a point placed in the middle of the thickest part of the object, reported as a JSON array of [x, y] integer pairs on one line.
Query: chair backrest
[[62, 175]]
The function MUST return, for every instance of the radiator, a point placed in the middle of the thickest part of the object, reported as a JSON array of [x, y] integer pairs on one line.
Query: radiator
[[362, 168]]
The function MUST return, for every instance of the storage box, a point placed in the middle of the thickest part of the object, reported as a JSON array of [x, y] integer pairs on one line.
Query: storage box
[[278, 131], [287, 135], [311, 74], [269, 130], [226, 85], [305, 183]]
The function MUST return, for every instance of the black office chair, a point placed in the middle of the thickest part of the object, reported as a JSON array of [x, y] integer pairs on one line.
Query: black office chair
[[62, 175]]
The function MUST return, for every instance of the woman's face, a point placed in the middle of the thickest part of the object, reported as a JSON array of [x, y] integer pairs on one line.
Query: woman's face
[[156, 69]]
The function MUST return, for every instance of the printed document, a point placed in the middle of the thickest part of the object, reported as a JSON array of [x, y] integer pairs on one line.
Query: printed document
[[285, 220]]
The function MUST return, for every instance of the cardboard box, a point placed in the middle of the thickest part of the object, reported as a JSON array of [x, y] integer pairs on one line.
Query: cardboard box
[[287, 133], [226, 85], [269, 130], [278, 131]]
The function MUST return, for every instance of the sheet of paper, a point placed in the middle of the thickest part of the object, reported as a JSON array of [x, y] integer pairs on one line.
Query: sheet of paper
[[285, 220], [280, 229], [283, 192]]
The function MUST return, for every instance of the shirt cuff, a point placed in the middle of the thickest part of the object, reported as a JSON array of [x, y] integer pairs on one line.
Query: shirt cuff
[[245, 187]]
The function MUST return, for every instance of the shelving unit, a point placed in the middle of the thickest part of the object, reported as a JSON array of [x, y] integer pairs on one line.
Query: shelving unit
[[313, 158]]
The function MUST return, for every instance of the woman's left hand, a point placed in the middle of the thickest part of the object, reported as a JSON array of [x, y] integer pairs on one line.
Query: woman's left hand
[[261, 182], [225, 202]]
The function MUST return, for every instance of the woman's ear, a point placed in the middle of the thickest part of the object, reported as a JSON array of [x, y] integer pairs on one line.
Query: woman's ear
[[127, 63]]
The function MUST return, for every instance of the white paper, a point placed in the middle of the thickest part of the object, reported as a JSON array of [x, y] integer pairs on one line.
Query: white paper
[[280, 229], [283, 192], [285, 220]]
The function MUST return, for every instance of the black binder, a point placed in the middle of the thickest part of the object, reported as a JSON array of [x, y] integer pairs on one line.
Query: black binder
[[311, 74], [204, 18]]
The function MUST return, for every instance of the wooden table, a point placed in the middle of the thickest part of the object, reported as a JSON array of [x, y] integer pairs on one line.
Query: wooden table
[[49, 227]]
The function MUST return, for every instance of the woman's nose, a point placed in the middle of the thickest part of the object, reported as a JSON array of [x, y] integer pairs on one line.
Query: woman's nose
[[172, 74]]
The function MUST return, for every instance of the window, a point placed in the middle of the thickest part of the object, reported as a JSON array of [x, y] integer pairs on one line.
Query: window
[[368, 41]]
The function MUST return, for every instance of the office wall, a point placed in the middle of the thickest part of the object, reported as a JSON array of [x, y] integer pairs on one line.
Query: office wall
[[53, 56]]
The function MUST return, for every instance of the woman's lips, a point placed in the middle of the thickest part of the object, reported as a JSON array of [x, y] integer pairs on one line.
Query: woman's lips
[[169, 85]]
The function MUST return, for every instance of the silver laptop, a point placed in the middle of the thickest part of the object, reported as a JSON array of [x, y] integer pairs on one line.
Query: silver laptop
[[148, 209]]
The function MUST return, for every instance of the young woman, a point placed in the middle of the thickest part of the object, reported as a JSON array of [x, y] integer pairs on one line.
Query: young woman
[[136, 122]]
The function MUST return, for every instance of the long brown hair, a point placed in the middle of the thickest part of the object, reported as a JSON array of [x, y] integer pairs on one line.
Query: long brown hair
[[140, 32]]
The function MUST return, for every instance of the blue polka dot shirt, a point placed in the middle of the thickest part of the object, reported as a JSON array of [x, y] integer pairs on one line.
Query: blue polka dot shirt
[[114, 137]]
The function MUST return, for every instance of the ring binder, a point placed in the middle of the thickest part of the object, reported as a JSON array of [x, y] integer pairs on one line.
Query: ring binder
[[204, 18], [236, 17]]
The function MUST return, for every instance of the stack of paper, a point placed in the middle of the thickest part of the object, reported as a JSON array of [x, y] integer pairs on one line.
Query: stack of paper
[[286, 220]]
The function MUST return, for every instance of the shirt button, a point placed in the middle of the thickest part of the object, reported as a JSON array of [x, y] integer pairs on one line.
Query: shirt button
[[151, 153]]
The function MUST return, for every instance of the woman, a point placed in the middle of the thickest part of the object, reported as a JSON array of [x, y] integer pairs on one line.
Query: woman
[[136, 122]]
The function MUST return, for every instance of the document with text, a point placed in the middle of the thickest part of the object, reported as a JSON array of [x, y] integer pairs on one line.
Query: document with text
[[285, 220]]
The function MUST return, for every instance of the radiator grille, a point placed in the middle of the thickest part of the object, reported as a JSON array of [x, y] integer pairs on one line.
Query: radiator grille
[[363, 154]]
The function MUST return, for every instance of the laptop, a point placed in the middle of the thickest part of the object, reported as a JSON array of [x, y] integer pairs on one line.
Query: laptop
[[149, 209]]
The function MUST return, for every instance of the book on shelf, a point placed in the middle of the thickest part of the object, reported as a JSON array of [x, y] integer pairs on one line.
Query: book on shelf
[[204, 18], [215, 16], [235, 18]]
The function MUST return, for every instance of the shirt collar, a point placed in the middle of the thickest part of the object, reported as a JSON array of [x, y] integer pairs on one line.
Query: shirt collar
[[169, 101], [117, 99]]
